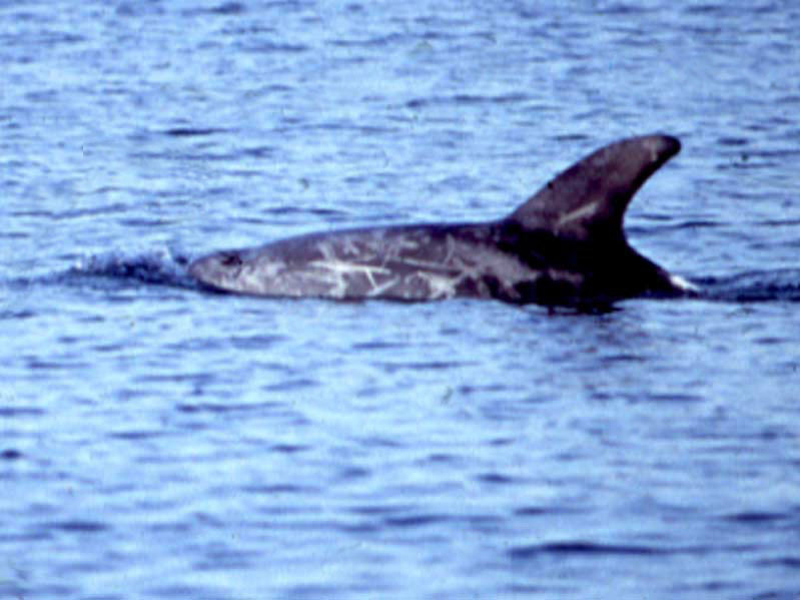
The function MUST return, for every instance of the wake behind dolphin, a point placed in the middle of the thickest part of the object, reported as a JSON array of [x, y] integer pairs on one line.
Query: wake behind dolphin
[[564, 246]]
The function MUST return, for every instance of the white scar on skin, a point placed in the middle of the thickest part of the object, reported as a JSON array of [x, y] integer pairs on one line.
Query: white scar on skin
[[383, 287], [343, 269], [440, 287]]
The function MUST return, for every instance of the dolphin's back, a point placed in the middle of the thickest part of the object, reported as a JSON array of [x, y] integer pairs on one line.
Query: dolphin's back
[[565, 245], [411, 263]]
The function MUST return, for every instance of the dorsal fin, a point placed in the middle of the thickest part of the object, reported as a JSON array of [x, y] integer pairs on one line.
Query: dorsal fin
[[589, 199]]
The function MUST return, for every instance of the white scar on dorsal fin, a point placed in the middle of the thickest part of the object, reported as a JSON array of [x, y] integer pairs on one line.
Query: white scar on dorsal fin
[[579, 213], [588, 200]]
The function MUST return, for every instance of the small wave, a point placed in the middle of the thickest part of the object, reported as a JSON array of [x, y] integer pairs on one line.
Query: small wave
[[79, 526], [163, 268], [754, 286], [584, 548], [466, 100], [193, 131]]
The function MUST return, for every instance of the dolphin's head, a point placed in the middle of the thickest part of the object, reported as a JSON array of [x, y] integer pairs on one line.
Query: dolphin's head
[[219, 270]]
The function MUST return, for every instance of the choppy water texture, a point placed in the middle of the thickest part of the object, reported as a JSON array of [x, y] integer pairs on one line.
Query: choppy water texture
[[158, 441]]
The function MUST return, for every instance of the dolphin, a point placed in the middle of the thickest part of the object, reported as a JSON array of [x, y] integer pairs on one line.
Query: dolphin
[[565, 246]]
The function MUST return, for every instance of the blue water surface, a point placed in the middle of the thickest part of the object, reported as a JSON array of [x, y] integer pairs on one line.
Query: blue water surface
[[158, 441]]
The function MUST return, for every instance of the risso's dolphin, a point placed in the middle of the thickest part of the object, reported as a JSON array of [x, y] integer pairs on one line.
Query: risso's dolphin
[[564, 246]]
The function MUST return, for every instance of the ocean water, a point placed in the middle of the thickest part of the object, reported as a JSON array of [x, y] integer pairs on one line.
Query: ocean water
[[158, 441]]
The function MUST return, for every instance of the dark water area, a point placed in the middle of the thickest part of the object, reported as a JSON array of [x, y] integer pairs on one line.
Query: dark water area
[[161, 441]]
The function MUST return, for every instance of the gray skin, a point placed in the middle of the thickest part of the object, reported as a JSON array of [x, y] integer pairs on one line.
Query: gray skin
[[564, 246]]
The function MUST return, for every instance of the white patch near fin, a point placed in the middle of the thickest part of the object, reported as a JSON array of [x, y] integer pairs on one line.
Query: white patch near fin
[[683, 284]]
